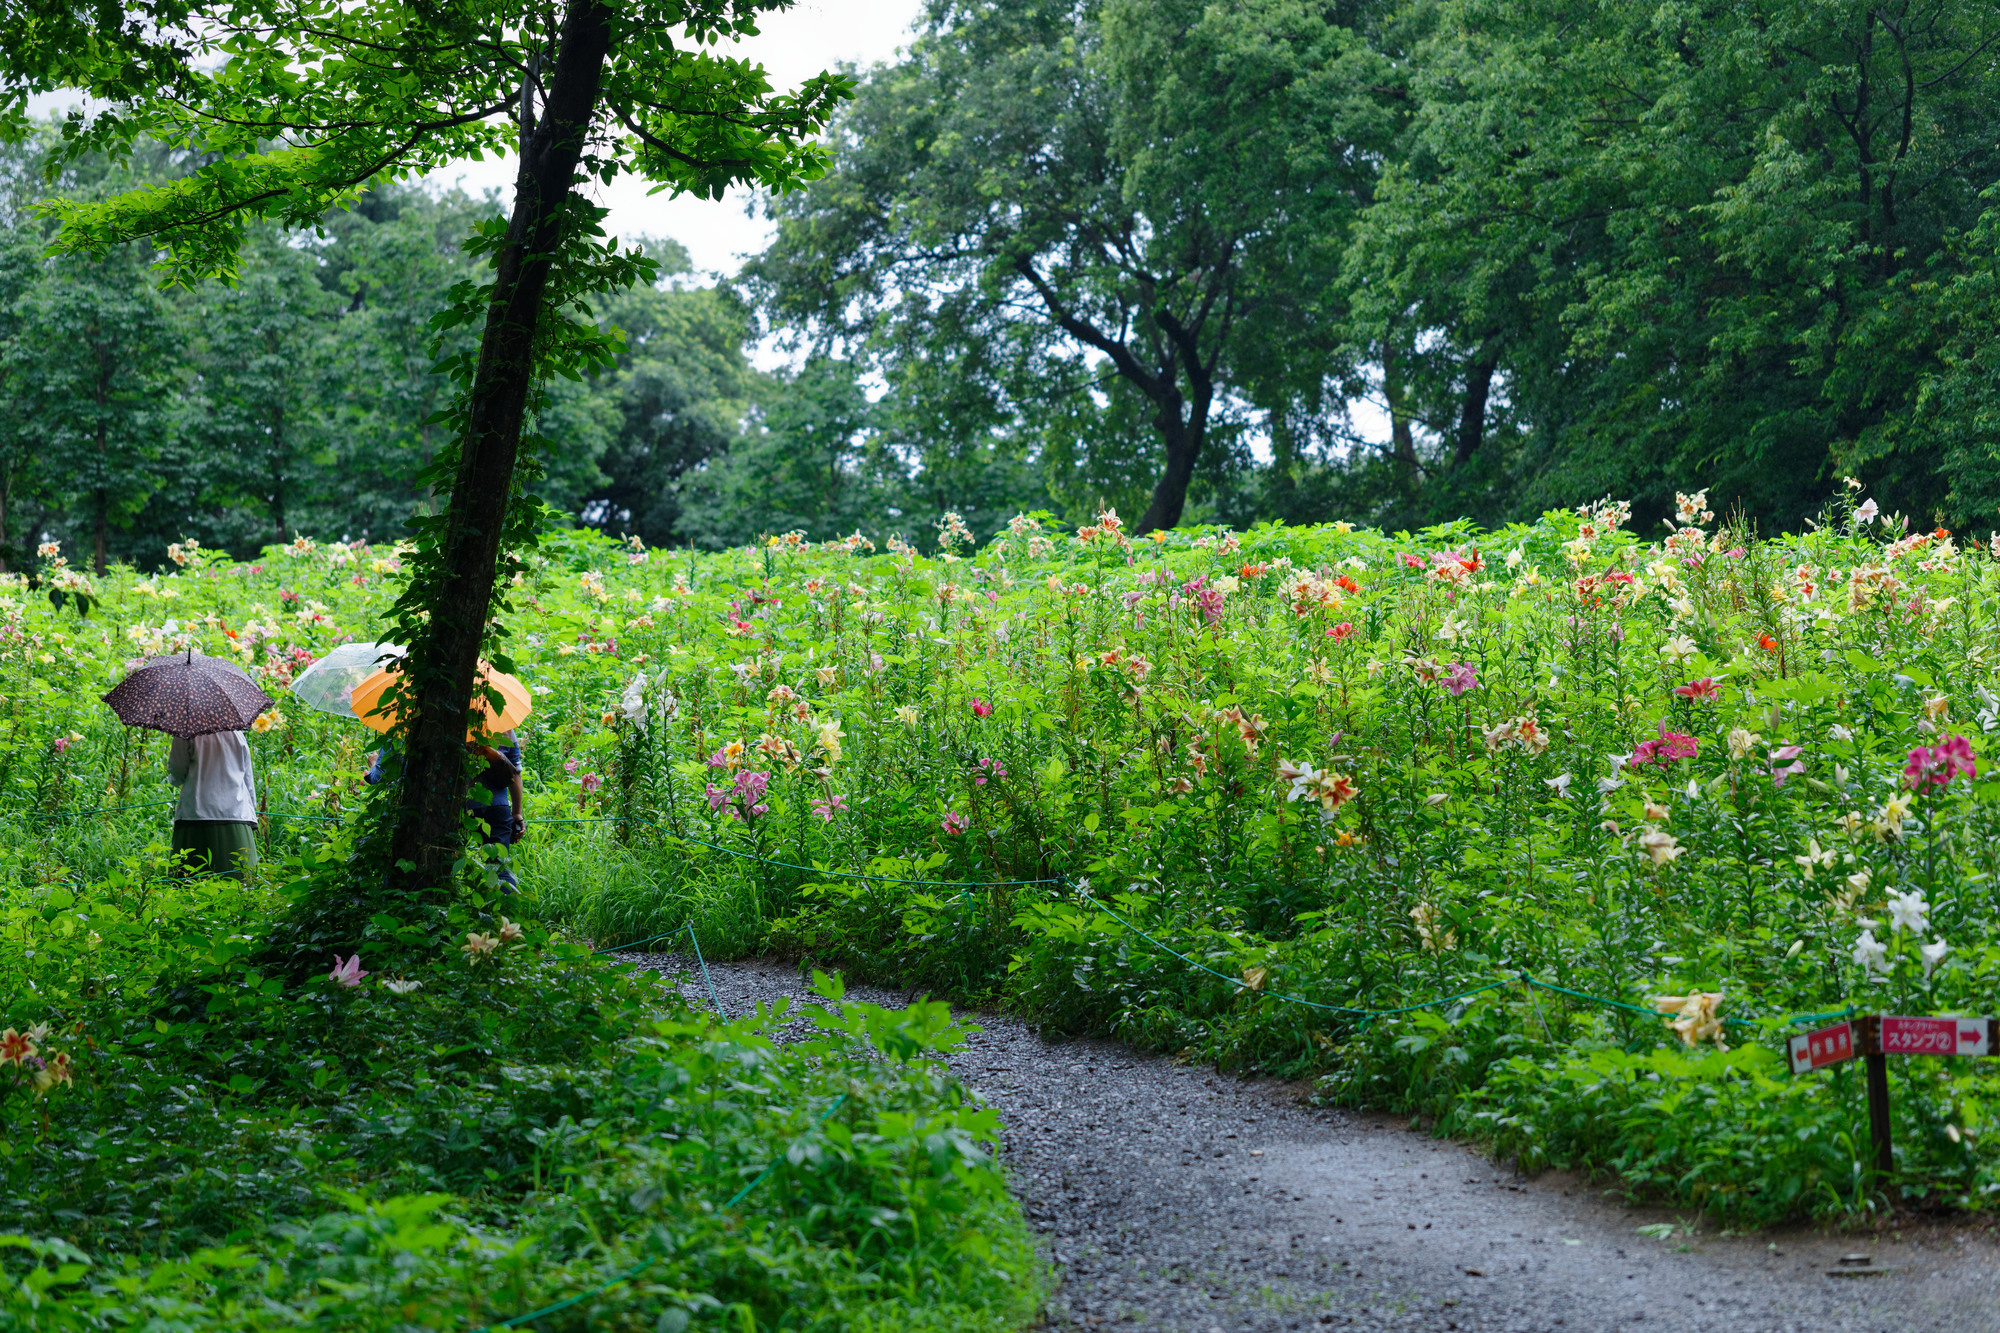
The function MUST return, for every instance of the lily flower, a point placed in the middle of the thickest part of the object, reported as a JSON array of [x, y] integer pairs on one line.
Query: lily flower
[[1694, 1017], [632, 704], [1909, 911], [1951, 758], [1871, 954], [1428, 919], [15, 1047], [1933, 954], [1889, 823], [347, 975], [1663, 847]]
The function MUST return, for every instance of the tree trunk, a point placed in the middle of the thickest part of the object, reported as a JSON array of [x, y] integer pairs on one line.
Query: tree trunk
[[1402, 441], [103, 459], [428, 835], [1182, 438], [1281, 483], [1472, 416], [102, 506], [278, 475], [1183, 441]]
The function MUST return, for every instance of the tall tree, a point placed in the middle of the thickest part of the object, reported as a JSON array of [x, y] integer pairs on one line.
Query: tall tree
[[1047, 187], [91, 376], [259, 405], [800, 465], [682, 390], [298, 106], [1681, 248], [392, 260]]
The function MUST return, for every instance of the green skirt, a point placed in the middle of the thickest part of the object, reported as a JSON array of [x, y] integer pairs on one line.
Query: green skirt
[[215, 847]]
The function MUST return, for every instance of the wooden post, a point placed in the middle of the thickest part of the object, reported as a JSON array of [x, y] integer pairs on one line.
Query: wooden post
[[1878, 1112], [1868, 1041]]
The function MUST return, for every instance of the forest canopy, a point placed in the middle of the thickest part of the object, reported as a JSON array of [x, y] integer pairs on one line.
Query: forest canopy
[[1273, 260]]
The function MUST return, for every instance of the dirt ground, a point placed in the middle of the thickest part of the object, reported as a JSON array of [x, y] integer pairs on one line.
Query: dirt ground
[[1172, 1198]]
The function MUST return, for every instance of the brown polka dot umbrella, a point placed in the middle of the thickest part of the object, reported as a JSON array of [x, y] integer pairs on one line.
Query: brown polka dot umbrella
[[185, 695]]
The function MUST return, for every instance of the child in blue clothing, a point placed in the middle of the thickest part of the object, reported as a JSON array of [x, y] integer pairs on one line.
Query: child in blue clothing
[[495, 795]]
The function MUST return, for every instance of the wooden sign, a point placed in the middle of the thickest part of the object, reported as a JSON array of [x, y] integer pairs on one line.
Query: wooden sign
[[1879, 1036], [1827, 1046], [1935, 1036], [1896, 1034]]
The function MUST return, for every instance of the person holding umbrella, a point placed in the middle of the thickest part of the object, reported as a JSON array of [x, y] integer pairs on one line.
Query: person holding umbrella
[[215, 820], [353, 681], [205, 704]]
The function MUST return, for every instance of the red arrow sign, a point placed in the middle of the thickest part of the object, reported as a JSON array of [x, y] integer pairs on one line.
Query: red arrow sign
[[1934, 1036], [1828, 1046]]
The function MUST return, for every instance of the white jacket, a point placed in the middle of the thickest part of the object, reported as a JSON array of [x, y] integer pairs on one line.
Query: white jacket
[[215, 778]]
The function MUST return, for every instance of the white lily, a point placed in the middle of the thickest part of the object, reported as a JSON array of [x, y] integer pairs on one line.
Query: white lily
[[1934, 953], [1870, 954], [1909, 911]]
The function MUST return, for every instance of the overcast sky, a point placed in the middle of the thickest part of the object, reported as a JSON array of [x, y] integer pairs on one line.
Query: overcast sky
[[795, 45]]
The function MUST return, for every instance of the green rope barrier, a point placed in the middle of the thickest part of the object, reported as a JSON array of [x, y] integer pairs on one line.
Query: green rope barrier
[[714, 998], [650, 939], [1848, 1012], [809, 870], [965, 888], [636, 1269], [1368, 1016], [1641, 1010], [111, 809]]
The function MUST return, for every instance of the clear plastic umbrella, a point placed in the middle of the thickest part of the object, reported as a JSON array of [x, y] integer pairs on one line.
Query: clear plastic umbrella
[[328, 684]]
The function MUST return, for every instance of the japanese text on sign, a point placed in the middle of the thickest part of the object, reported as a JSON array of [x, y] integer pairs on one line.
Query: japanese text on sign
[[1933, 1036], [1816, 1050]]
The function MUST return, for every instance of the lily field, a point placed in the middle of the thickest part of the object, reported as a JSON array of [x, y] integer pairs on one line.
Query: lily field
[[1554, 835]]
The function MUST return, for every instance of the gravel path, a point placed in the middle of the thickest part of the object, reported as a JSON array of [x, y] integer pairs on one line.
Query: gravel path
[[1172, 1198]]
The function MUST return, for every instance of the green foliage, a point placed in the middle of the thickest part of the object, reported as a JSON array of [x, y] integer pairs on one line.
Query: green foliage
[[520, 1127], [1704, 247], [1148, 182], [1469, 761]]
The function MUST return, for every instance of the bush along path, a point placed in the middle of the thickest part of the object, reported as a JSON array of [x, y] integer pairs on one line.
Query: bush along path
[[1170, 1197], [518, 1134]]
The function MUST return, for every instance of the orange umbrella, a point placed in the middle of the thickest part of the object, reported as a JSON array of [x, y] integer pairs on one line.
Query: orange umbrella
[[515, 707]]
